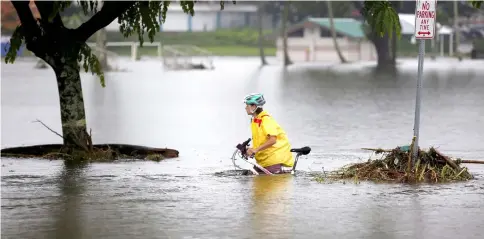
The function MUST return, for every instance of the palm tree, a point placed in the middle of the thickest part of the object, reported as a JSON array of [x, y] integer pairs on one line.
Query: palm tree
[[261, 47], [333, 33], [285, 14], [457, 30]]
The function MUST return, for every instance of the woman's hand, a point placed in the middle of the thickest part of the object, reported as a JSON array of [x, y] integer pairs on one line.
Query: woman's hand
[[251, 152]]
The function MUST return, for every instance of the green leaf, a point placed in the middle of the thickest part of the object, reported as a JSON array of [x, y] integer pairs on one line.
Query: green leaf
[[15, 43], [187, 7], [222, 4], [166, 4], [90, 61], [476, 4], [88, 6], [143, 17], [382, 18], [59, 6]]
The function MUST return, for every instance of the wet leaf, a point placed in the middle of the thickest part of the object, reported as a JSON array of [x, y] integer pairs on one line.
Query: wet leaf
[[88, 6], [91, 62], [142, 17], [476, 4], [59, 6], [166, 4], [382, 18], [15, 43]]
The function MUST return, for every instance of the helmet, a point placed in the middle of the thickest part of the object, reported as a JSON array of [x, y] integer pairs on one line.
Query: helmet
[[255, 99]]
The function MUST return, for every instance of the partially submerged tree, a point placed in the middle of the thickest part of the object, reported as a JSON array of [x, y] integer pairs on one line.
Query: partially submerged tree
[[285, 14], [383, 24], [63, 48], [261, 47], [333, 32]]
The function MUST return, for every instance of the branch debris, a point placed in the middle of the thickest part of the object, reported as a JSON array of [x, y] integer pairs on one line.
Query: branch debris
[[432, 166]]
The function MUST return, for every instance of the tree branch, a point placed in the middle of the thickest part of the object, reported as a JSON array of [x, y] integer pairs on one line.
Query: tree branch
[[51, 130], [110, 11], [27, 19], [45, 9]]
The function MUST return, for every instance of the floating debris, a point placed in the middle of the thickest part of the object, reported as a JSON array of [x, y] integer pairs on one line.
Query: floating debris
[[396, 165]]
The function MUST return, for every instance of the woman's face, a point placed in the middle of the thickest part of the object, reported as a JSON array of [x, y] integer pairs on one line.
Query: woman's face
[[250, 108]]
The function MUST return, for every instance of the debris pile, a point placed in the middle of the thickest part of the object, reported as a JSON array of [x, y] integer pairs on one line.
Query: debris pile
[[99, 152], [396, 165]]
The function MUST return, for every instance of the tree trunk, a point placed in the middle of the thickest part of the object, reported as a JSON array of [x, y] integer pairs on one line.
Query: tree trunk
[[384, 60], [71, 188], [457, 30], [287, 60], [333, 33], [61, 48], [261, 47], [394, 48], [73, 115], [397, 5]]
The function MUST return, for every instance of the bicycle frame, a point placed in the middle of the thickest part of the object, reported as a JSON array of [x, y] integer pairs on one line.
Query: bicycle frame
[[242, 149]]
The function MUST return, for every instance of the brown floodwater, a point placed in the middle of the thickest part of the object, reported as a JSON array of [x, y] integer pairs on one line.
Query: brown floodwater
[[335, 112]]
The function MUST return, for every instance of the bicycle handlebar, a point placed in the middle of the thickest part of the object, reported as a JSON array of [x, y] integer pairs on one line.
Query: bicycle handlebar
[[243, 147]]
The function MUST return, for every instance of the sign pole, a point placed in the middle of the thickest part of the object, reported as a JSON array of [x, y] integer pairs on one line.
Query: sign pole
[[416, 124], [425, 16]]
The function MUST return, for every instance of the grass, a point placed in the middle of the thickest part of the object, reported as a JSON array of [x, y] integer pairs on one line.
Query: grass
[[227, 37], [239, 50], [216, 50]]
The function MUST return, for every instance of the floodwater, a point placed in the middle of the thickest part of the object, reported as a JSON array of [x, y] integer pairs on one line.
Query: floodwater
[[201, 113]]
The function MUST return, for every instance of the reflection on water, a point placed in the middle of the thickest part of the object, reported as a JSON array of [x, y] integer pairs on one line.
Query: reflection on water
[[271, 205], [335, 112], [68, 210]]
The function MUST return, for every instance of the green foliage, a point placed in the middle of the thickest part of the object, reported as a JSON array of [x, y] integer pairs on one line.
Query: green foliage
[[382, 17], [145, 17], [222, 4], [59, 6], [478, 44], [476, 4], [88, 6], [15, 43], [303, 9], [141, 18], [187, 7], [90, 61], [443, 16], [166, 4]]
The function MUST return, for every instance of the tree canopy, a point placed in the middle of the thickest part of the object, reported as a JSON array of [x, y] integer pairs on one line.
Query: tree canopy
[[382, 17], [135, 17]]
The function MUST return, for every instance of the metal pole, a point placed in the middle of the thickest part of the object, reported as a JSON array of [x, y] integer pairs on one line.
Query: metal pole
[[416, 127], [456, 28]]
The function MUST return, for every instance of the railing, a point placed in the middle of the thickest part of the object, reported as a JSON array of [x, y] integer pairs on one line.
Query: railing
[[175, 59], [134, 47], [111, 56], [186, 57], [173, 56]]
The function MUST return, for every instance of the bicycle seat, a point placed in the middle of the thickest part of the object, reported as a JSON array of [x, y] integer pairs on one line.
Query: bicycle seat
[[304, 150]]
